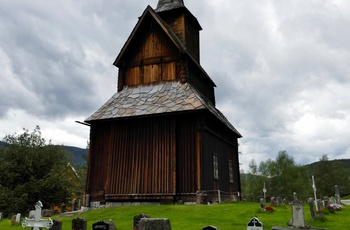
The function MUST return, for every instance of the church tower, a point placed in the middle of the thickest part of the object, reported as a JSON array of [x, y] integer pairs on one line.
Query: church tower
[[164, 47]]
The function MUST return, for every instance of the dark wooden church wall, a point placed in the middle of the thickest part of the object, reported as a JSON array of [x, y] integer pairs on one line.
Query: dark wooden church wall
[[187, 154], [215, 143], [201, 83], [139, 159], [97, 173], [192, 40]]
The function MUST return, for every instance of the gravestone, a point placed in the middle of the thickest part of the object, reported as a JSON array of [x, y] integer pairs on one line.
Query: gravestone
[[57, 225], [63, 208], [79, 224], [0, 215], [273, 201], [279, 201], [298, 220], [255, 224], [311, 203], [137, 219], [46, 213], [337, 195], [104, 226], [262, 204], [18, 217], [154, 224], [37, 223], [74, 205], [210, 227], [325, 201]]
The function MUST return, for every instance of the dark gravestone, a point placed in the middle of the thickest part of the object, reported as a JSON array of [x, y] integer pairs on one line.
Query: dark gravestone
[[210, 228], [137, 220], [154, 224], [57, 225], [63, 208], [79, 224], [104, 226], [74, 205], [311, 203], [46, 213]]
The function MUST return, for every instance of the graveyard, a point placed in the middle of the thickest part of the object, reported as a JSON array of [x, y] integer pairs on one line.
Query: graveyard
[[224, 216]]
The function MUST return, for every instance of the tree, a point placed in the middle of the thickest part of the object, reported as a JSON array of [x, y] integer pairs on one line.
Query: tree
[[281, 176], [288, 177], [31, 170], [328, 174], [253, 182]]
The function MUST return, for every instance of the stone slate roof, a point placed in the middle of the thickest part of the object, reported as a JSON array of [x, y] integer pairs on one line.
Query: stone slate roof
[[164, 5], [155, 99]]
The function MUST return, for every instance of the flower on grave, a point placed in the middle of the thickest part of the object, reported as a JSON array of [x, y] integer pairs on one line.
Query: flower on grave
[[320, 211], [268, 208], [335, 207]]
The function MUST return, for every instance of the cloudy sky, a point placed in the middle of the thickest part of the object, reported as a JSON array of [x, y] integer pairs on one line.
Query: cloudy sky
[[282, 69]]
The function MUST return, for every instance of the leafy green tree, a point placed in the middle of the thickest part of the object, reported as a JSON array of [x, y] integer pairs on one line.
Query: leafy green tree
[[287, 177], [328, 174], [281, 176], [31, 170], [253, 183]]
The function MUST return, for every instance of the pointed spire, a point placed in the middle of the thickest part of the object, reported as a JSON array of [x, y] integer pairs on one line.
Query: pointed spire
[[164, 5]]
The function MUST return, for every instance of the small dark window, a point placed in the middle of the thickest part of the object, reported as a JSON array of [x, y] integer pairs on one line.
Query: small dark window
[[230, 168], [216, 167]]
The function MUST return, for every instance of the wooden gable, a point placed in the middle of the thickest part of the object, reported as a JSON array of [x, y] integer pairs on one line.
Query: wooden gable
[[151, 56], [155, 53]]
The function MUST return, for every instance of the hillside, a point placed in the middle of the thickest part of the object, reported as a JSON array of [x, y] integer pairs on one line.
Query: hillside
[[77, 153], [346, 163]]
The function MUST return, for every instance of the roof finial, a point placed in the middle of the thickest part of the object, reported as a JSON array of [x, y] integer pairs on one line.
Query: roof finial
[[164, 5]]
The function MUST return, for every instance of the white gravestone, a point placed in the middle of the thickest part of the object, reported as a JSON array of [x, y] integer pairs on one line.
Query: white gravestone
[[298, 219], [255, 224], [37, 222], [18, 217]]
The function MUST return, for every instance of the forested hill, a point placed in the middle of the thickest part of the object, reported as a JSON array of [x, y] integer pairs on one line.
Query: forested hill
[[346, 163], [77, 153]]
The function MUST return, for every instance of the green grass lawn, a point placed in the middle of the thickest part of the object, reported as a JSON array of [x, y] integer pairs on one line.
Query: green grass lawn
[[227, 216]]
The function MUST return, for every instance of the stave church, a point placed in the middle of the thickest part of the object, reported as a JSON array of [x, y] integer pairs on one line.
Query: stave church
[[160, 138]]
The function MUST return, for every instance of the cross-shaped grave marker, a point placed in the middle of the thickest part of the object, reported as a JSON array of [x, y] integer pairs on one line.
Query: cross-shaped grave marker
[[255, 224], [37, 222]]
